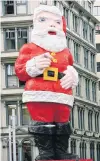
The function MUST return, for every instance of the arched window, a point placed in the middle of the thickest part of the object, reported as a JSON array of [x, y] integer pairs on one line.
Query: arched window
[[98, 152], [73, 146], [92, 151], [26, 151], [83, 150]]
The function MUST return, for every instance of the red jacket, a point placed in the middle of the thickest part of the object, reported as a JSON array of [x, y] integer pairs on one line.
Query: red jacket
[[37, 89]]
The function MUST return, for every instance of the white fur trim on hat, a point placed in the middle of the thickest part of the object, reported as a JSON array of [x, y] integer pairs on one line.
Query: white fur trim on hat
[[52, 9]]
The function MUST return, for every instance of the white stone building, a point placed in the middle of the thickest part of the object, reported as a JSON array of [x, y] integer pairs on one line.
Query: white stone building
[[16, 25], [97, 15]]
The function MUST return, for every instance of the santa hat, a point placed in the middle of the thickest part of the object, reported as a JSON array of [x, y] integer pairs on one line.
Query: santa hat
[[52, 9]]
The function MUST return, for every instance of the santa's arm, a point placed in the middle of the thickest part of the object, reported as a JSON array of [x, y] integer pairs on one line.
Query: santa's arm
[[20, 63], [71, 75], [30, 63]]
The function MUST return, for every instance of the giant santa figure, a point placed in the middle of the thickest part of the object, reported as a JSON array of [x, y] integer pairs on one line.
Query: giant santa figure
[[46, 65]]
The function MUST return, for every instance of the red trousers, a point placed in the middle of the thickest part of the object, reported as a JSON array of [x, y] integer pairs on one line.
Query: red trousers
[[48, 112]]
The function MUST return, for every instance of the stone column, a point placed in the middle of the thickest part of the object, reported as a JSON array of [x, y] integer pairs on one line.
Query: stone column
[[95, 150], [88, 149], [20, 152], [75, 117], [69, 147], [93, 120], [19, 112], [86, 118], [78, 147]]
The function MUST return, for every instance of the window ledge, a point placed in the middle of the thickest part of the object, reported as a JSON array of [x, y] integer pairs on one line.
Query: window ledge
[[89, 133], [15, 15], [96, 134], [79, 132]]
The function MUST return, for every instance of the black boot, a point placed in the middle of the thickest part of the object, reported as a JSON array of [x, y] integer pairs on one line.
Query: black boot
[[64, 131], [43, 133]]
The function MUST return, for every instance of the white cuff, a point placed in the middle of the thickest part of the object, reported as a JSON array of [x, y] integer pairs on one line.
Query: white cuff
[[31, 68]]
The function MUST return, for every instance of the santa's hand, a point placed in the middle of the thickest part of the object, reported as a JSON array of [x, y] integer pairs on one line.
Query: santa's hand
[[37, 64], [70, 79], [43, 61]]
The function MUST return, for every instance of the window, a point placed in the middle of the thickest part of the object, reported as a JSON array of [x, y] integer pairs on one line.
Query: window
[[87, 88], [9, 107], [98, 29], [68, 42], [75, 23], [21, 36], [10, 39], [21, 7], [97, 122], [76, 52], [78, 88], [59, 5], [89, 6], [9, 7], [83, 150], [43, 2], [85, 58], [65, 13], [96, 10], [15, 41], [92, 155], [94, 91], [81, 118], [98, 152], [25, 117], [98, 48], [11, 79], [90, 126], [73, 146], [26, 151], [98, 66], [92, 57], [55, 3], [85, 30], [91, 35], [15, 7], [99, 85]]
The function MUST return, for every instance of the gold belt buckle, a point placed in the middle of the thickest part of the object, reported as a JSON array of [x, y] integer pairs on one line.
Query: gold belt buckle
[[50, 78]]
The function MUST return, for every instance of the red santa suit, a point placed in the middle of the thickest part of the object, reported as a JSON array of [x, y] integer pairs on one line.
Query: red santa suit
[[46, 100]]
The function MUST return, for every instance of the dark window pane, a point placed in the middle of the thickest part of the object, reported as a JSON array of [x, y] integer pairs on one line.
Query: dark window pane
[[10, 39], [26, 151], [99, 85], [25, 115], [9, 7], [21, 84], [9, 107], [22, 36], [98, 66], [98, 48]]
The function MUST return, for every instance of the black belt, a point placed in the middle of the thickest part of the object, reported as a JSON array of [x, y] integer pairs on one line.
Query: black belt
[[51, 74]]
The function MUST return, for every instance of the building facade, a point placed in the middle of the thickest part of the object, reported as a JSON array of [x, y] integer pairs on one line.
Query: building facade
[[97, 15], [16, 26]]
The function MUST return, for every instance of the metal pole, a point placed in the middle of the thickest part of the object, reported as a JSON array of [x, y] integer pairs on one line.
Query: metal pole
[[10, 145], [14, 134]]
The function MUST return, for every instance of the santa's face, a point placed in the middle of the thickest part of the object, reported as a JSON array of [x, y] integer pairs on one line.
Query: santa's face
[[48, 32], [45, 20]]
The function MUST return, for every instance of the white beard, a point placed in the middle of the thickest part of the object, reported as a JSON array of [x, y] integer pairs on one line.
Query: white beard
[[53, 43]]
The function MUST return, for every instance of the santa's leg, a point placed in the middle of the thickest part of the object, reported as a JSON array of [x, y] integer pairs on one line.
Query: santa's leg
[[63, 132], [42, 129]]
